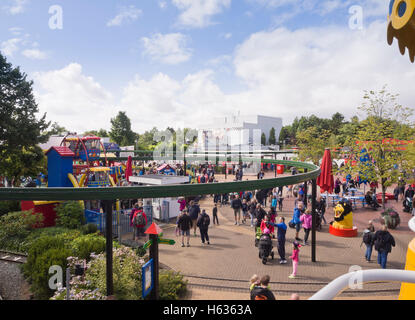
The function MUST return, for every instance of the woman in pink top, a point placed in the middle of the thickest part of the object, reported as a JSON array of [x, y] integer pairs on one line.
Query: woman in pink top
[[307, 221], [294, 257]]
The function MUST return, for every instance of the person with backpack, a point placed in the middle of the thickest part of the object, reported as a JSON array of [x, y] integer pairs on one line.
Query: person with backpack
[[262, 292], [139, 222], [384, 242], [236, 205], [194, 211], [203, 223], [185, 224], [368, 240]]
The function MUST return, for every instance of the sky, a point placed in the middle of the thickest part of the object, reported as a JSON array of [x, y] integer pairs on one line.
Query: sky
[[181, 63]]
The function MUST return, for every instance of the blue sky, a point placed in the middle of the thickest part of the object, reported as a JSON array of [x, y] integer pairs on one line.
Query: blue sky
[[175, 62]]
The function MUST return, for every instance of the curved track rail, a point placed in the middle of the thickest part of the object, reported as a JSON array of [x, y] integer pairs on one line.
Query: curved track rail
[[12, 257], [55, 194]]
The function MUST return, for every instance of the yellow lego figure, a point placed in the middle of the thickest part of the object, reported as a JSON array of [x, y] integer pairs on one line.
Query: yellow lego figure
[[343, 216]]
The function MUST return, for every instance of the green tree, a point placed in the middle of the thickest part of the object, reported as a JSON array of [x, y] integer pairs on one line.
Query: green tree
[[312, 143], [20, 130], [121, 132], [56, 129], [383, 117], [263, 139], [272, 140]]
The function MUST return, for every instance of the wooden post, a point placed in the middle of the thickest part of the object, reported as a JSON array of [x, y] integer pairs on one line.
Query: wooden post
[[108, 249], [154, 254], [313, 228]]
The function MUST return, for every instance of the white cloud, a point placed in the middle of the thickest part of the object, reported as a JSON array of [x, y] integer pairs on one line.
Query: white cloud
[[162, 101], [162, 4], [35, 54], [16, 31], [295, 73], [74, 100], [126, 14], [9, 47], [167, 48], [16, 6], [198, 13]]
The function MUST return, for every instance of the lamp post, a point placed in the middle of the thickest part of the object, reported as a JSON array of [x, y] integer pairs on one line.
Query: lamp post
[[108, 249], [313, 228]]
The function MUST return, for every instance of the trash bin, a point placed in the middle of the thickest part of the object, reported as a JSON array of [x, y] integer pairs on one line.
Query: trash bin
[[280, 169]]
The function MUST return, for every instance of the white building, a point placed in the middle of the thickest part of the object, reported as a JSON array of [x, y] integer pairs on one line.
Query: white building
[[233, 131]]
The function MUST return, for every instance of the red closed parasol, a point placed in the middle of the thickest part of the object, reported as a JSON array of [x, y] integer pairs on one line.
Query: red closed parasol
[[129, 168], [325, 179]]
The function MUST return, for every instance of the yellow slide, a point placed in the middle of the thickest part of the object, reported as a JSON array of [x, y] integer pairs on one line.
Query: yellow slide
[[76, 185]]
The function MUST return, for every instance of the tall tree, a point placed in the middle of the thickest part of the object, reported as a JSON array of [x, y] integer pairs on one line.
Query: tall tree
[[272, 140], [20, 130], [263, 139], [121, 132], [56, 129], [389, 160]]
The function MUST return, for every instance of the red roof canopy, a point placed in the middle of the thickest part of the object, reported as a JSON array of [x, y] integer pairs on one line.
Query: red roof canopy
[[62, 151]]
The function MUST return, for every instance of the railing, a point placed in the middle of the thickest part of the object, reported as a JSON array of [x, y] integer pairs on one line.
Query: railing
[[56, 194], [343, 282]]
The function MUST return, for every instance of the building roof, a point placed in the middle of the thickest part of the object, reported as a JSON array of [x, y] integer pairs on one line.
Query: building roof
[[62, 151]]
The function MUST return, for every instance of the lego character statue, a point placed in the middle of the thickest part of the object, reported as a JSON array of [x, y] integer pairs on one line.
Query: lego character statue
[[342, 226]]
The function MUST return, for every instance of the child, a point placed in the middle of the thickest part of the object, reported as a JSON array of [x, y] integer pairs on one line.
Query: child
[[255, 281], [274, 202], [294, 257]]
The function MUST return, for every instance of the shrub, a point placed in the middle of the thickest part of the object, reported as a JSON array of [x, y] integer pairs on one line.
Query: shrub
[[15, 227], [39, 277], [70, 215], [9, 206], [83, 246], [390, 218], [172, 285], [126, 273], [89, 228]]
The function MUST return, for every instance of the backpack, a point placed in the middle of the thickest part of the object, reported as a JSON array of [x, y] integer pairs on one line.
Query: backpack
[[367, 238], [139, 220], [205, 221]]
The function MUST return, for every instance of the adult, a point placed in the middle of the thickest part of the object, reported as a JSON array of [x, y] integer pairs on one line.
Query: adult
[[215, 214], [368, 240], [384, 242], [306, 219], [203, 223], [259, 215], [185, 224], [194, 211], [337, 185], [236, 205], [252, 207], [139, 221], [262, 292], [282, 230], [296, 219]]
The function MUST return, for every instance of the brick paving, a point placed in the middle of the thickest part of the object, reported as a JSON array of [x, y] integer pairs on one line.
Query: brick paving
[[222, 270]]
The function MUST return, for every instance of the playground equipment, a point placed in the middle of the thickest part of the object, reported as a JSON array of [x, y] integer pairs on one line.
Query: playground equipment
[[401, 25]]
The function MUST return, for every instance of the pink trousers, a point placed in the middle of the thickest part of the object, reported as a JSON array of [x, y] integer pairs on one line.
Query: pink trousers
[[295, 264]]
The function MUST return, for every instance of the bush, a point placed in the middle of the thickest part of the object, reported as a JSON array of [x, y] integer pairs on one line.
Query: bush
[[89, 228], [15, 227], [126, 273], [39, 276], [83, 246], [9, 206], [172, 285], [70, 215]]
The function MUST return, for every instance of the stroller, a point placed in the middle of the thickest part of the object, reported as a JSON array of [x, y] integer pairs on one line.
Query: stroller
[[370, 200], [407, 205], [265, 247]]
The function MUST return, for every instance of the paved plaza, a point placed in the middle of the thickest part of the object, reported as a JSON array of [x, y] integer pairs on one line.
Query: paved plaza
[[222, 270]]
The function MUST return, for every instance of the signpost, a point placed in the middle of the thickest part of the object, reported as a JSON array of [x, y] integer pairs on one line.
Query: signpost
[[155, 232]]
